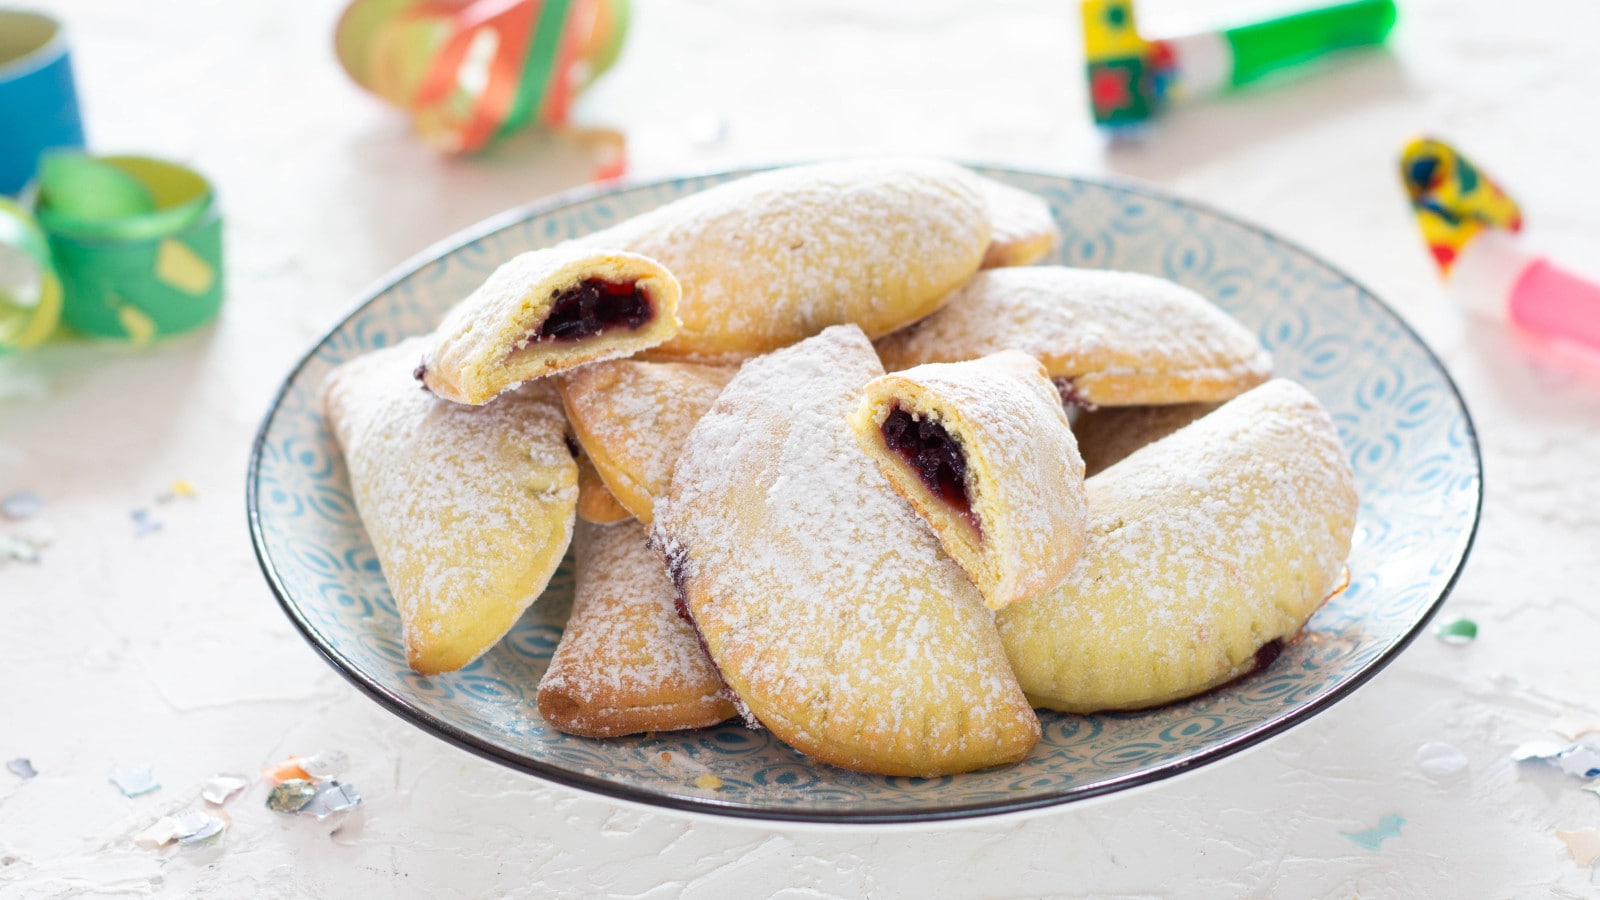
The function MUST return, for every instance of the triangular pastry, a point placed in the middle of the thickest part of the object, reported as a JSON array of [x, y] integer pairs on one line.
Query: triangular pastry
[[1106, 338], [632, 417], [627, 662], [1022, 229], [1207, 550], [983, 451], [546, 311], [774, 257], [827, 605], [470, 509]]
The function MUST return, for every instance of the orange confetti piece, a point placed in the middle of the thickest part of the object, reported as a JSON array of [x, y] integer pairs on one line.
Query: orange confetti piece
[[289, 768]]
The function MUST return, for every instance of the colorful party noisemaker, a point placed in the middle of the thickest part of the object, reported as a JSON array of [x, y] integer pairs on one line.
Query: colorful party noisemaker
[[471, 71], [137, 244], [1133, 78], [30, 292], [1471, 227], [38, 103]]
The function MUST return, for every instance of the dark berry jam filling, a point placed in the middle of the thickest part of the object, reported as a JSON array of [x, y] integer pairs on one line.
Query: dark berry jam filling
[[1071, 396], [592, 306], [928, 448]]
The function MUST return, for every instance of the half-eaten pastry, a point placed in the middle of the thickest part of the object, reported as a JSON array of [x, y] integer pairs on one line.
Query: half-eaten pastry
[[627, 662], [983, 451], [1207, 551], [1105, 338], [829, 608], [546, 311], [469, 509]]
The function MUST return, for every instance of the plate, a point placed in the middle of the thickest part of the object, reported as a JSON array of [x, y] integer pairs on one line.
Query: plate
[[1407, 432]]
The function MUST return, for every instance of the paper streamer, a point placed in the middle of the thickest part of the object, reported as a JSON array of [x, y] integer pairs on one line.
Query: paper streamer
[[471, 71], [136, 242], [38, 103], [1471, 227], [30, 292], [1132, 78]]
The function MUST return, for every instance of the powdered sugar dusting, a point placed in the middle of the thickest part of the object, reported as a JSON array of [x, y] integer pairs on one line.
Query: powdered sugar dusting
[[1201, 548], [1123, 338], [826, 602], [627, 661], [769, 259], [1021, 227], [469, 508]]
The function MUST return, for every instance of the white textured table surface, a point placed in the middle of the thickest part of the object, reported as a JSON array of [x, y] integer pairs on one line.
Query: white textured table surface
[[168, 649]]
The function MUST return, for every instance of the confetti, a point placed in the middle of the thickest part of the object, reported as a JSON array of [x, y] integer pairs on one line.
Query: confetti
[[1583, 844], [291, 796], [1579, 760], [143, 524], [21, 505], [1440, 761], [222, 788], [708, 782], [19, 548], [1572, 727], [196, 827], [330, 764], [1456, 631], [1387, 827], [161, 832], [333, 797], [284, 771], [22, 768], [135, 781], [180, 489]]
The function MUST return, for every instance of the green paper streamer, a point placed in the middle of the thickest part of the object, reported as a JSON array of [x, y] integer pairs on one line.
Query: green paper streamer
[[1456, 631]]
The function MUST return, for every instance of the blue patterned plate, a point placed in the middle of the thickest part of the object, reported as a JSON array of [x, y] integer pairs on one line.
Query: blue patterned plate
[[1407, 432]]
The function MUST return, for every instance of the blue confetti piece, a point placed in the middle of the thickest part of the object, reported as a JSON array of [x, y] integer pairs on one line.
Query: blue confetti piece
[[21, 505], [1373, 838], [143, 524], [135, 781]]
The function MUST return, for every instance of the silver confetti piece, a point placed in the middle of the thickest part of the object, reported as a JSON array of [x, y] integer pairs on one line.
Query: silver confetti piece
[[290, 796]]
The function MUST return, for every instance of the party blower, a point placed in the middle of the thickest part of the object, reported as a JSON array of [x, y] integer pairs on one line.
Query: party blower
[[1133, 78], [1471, 226]]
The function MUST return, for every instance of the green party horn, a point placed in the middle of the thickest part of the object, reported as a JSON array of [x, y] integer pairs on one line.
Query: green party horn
[[137, 243], [30, 292]]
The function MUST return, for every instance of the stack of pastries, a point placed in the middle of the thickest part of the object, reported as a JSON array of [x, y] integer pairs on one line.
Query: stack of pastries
[[840, 460]]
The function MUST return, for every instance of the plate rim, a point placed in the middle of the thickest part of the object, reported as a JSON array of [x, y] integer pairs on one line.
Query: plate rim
[[461, 739]]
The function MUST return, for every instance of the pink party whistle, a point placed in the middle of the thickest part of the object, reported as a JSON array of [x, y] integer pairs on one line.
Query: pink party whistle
[[1471, 227]]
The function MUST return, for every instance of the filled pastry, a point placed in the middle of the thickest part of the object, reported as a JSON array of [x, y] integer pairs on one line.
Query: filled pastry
[[546, 311], [596, 503], [469, 509], [1207, 550], [774, 257], [1022, 229], [829, 608], [983, 451], [1105, 338], [632, 418], [1108, 435], [627, 662]]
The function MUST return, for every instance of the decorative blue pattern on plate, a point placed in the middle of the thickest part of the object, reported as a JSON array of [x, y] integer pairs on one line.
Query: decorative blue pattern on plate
[[1407, 432]]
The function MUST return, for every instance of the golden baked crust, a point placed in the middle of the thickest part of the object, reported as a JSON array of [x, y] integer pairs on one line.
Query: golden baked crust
[[470, 509], [1203, 548], [1022, 474], [1106, 436], [1022, 230], [1115, 338], [488, 342], [827, 605], [772, 258], [632, 417], [627, 662], [596, 503]]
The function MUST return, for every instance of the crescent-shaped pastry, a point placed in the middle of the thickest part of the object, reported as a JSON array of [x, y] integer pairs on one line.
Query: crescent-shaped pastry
[[1022, 230], [627, 662], [775, 257], [1207, 550], [469, 509], [596, 503], [546, 311], [632, 418], [1106, 436], [827, 605], [983, 451], [1106, 338]]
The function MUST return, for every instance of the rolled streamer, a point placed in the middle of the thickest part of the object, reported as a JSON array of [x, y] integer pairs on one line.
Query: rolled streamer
[[30, 292], [38, 103], [136, 266], [471, 71]]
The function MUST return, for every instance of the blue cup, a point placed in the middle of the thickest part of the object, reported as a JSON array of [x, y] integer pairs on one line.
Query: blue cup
[[38, 104]]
